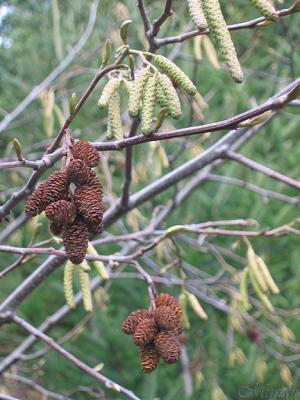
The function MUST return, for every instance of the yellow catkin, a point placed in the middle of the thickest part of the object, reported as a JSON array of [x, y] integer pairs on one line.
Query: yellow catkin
[[99, 266], [86, 290], [148, 105], [114, 116], [265, 8], [68, 284], [244, 289], [267, 275], [263, 298], [136, 91], [184, 316], [108, 90], [196, 306], [172, 102], [252, 261], [176, 74], [197, 14], [221, 36]]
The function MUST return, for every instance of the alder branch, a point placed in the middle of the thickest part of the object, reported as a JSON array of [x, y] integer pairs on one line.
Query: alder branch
[[231, 155], [70, 357], [37, 90], [145, 18], [157, 23], [266, 194], [252, 24]]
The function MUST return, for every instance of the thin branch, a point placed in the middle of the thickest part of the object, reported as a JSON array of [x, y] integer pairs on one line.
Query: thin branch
[[277, 102], [145, 18], [157, 23], [17, 164], [74, 360], [266, 194], [55, 73], [128, 166], [254, 23], [231, 155], [29, 382]]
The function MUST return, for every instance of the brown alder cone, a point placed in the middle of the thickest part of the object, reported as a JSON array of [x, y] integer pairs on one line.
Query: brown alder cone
[[56, 229], [61, 212], [75, 240], [90, 207], [35, 203], [94, 183], [133, 319], [167, 319], [78, 172], [144, 332], [253, 334], [165, 299], [149, 358], [86, 152], [167, 347], [56, 186]]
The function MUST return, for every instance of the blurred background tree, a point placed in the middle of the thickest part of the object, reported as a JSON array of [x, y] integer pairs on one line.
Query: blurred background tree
[[35, 36]]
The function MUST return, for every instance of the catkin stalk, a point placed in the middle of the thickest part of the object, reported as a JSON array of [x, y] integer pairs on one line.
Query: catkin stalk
[[114, 116], [221, 36], [265, 8], [68, 284], [86, 290], [197, 14]]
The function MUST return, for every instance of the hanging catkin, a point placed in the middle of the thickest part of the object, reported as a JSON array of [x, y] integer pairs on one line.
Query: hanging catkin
[[114, 116], [175, 73], [109, 89], [148, 105], [265, 8], [172, 102], [197, 14], [136, 91], [221, 36], [86, 290], [68, 284]]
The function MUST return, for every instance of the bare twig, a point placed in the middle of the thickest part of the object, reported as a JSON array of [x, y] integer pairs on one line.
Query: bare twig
[[261, 168], [254, 23], [74, 360]]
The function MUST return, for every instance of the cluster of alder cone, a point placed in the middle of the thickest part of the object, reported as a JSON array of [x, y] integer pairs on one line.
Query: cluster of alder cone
[[157, 333], [73, 211]]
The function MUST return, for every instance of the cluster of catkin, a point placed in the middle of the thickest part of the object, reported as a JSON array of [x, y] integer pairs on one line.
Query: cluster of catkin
[[156, 333], [208, 14], [150, 87], [72, 213]]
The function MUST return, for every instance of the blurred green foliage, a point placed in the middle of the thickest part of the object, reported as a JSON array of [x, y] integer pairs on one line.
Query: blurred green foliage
[[270, 59]]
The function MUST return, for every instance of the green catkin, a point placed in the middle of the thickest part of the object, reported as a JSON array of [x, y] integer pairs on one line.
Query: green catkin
[[114, 117], [197, 14], [172, 100], [148, 105], [160, 95], [127, 84], [68, 284], [265, 8], [109, 134], [108, 90], [221, 36], [136, 91], [176, 74], [86, 290]]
